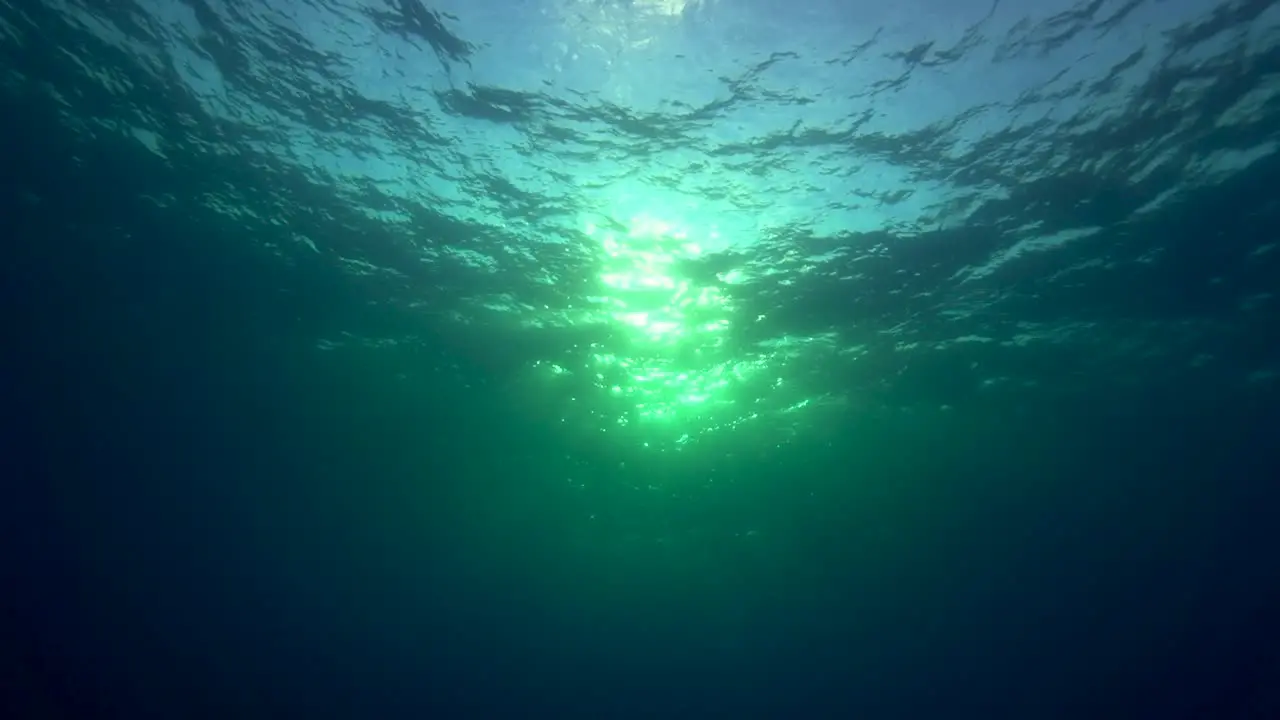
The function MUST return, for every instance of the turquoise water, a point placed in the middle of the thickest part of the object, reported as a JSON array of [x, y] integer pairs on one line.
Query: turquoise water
[[669, 358]]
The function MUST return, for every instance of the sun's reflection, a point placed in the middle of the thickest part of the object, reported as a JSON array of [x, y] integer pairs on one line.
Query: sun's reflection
[[671, 359]]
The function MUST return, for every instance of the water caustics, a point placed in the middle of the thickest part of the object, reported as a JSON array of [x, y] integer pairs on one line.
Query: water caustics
[[677, 218]]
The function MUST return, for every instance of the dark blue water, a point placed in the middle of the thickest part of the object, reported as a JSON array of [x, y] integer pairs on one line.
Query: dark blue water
[[650, 358]]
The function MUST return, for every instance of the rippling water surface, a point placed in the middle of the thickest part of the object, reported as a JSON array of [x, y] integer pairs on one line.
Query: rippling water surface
[[661, 220], [871, 359]]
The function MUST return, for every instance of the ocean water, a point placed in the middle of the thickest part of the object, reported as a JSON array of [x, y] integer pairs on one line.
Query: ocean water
[[640, 358]]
